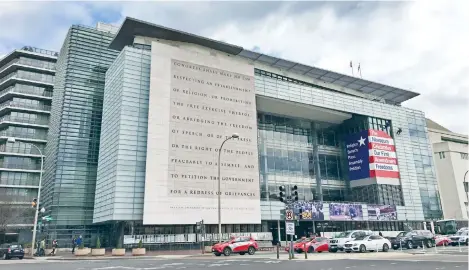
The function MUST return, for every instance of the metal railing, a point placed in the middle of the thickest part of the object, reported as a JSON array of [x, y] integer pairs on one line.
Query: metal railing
[[9, 118], [5, 133], [27, 89], [40, 51], [20, 166], [24, 105]]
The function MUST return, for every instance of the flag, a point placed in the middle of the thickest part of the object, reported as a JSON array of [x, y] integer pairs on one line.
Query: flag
[[351, 64], [358, 66]]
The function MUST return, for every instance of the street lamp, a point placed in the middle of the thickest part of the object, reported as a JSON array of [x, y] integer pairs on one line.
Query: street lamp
[[233, 136], [467, 193], [12, 140]]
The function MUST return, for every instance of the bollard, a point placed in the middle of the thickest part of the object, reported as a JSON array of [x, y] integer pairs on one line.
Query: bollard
[[423, 246], [436, 250], [278, 250], [459, 242], [306, 251], [400, 244], [377, 248]]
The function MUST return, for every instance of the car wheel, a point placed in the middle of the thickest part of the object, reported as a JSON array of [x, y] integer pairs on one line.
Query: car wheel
[[410, 245], [428, 244], [227, 251], [20, 257], [467, 242], [333, 250], [362, 248], [251, 250], [310, 249], [385, 248]]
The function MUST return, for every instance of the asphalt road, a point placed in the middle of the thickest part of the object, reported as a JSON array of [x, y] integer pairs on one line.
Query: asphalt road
[[228, 264]]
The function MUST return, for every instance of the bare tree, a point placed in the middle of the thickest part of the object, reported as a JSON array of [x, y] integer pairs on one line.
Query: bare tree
[[14, 214]]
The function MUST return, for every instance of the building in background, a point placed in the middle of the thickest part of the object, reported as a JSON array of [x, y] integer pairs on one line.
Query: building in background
[[26, 86], [171, 98], [75, 126], [450, 152]]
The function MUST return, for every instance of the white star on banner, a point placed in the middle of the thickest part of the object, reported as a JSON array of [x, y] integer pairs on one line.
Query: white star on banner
[[362, 141]]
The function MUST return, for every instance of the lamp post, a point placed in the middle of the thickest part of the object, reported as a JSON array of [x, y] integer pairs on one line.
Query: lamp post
[[467, 193], [233, 136], [12, 140]]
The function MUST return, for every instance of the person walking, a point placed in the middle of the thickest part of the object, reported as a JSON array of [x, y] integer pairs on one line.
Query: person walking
[[74, 243], [54, 247], [42, 250], [79, 241]]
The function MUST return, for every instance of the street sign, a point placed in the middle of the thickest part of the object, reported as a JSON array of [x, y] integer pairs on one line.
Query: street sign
[[290, 228], [289, 215]]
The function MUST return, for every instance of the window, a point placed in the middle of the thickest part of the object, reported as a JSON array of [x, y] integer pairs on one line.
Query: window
[[466, 187], [464, 156], [441, 154]]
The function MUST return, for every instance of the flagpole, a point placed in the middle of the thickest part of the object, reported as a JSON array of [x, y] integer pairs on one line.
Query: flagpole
[[360, 70], [351, 66]]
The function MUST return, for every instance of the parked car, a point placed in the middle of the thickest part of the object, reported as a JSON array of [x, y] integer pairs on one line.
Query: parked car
[[317, 244], [338, 242], [413, 239], [240, 245], [442, 240], [368, 243], [460, 238], [8, 251]]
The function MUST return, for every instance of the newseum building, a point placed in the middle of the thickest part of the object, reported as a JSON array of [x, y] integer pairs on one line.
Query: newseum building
[[359, 159]]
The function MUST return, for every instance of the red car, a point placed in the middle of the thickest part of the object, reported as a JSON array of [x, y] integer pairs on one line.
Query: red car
[[240, 245], [318, 244]]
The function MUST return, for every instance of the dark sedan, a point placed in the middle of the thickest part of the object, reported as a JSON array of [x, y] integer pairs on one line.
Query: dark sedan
[[413, 239], [8, 251]]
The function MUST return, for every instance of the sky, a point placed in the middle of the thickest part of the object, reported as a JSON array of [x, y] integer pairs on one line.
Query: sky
[[421, 46]]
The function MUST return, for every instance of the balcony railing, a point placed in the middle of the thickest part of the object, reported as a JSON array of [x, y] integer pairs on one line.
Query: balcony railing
[[9, 118], [20, 166], [22, 135], [24, 105], [27, 75], [5, 148], [30, 63], [28, 90]]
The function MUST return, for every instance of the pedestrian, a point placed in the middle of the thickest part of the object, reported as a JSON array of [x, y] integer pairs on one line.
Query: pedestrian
[[42, 250], [381, 234], [74, 243], [79, 241], [54, 246]]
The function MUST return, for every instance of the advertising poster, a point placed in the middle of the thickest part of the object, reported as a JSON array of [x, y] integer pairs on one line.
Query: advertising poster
[[345, 211], [382, 212], [308, 210], [357, 155]]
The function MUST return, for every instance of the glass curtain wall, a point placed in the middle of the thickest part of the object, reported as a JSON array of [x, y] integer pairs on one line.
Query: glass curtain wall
[[286, 158]]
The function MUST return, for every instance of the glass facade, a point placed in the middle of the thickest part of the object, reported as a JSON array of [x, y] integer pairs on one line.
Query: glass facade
[[122, 157], [26, 82], [75, 127]]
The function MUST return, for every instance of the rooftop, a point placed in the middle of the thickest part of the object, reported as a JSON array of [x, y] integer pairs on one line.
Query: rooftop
[[36, 52], [133, 27]]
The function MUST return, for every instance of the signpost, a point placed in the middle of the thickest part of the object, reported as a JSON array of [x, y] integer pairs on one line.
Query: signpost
[[290, 230]]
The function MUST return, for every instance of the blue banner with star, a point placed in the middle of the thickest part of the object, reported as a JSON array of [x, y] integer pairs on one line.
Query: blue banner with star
[[357, 153]]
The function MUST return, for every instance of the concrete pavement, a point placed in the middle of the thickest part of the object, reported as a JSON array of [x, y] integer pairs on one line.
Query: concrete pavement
[[228, 264]]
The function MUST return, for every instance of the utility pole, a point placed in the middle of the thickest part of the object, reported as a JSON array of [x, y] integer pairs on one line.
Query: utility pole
[[288, 196]]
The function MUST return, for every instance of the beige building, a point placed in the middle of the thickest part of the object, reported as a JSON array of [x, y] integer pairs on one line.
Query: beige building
[[450, 152]]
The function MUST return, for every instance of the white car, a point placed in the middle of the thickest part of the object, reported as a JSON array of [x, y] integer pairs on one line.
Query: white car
[[368, 243], [460, 238], [337, 243]]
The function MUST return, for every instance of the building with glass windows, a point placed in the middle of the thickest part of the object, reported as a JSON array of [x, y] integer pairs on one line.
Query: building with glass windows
[[139, 117], [73, 146], [26, 83]]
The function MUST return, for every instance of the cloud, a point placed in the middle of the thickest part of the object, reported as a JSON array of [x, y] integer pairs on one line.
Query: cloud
[[419, 46]]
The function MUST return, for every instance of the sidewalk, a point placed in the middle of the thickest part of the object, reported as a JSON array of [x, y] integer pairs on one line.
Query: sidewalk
[[128, 255]]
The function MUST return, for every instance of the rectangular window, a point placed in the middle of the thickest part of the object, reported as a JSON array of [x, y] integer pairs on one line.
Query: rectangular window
[[464, 156], [441, 154]]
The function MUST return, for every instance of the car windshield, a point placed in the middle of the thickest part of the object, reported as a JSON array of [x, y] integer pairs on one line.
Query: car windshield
[[402, 234], [302, 240], [462, 233], [344, 234], [361, 237], [410, 233], [320, 239]]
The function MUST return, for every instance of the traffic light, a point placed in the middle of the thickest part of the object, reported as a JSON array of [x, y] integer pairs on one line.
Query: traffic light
[[34, 203], [294, 193], [282, 194]]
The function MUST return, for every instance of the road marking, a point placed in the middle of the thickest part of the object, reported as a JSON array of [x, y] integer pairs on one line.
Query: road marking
[[244, 264]]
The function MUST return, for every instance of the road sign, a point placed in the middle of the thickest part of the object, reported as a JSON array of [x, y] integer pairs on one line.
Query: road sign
[[289, 215], [290, 228]]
